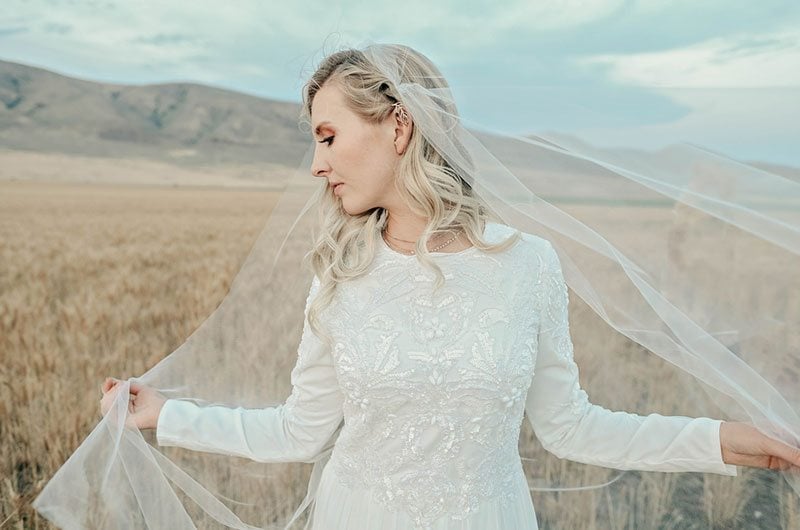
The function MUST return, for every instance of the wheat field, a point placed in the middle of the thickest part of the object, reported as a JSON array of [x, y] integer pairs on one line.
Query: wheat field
[[99, 280]]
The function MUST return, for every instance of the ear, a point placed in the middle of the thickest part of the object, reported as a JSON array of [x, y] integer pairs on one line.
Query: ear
[[402, 131]]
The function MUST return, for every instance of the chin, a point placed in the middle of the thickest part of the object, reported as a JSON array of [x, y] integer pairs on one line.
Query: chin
[[354, 210], [349, 211]]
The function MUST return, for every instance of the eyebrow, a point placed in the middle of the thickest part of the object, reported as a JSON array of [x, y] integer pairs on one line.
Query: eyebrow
[[319, 127]]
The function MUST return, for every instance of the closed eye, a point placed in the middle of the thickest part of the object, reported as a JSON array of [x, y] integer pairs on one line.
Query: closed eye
[[328, 140]]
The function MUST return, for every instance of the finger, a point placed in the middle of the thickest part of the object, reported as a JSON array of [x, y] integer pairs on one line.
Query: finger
[[105, 403], [779, 464], [784, 451], [110, 392], [110, 383]]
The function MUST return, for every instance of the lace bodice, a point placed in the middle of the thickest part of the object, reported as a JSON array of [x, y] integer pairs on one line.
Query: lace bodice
[[432, 388], [434, 384]]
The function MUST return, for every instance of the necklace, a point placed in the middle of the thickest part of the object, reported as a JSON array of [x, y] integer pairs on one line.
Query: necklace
[[411, 252], [397, 238]]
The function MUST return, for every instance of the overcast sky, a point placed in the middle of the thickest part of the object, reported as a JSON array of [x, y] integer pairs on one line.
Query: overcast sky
[[722, 73]]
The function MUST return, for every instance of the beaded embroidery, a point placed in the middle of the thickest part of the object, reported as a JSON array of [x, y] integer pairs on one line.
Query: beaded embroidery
[[434, 384]]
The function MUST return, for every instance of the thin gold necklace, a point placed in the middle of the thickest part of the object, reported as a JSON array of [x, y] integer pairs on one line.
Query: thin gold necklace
[[411, 252]]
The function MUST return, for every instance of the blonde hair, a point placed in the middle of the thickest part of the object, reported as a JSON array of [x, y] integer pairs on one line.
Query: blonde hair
[[346, 245]]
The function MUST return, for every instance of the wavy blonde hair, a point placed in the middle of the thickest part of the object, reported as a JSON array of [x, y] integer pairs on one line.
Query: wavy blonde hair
[[346, 244]]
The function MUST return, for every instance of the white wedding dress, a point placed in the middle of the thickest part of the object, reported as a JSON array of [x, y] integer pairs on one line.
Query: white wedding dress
[[432, 388]]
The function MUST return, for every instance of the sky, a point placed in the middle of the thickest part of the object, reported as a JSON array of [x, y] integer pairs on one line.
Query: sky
[[724, 74]]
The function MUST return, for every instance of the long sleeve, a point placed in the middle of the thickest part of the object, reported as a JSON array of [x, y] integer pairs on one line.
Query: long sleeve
[[571, 427], [295, 431]]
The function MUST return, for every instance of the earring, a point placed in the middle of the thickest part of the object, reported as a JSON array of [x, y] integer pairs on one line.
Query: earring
[[400, 110]]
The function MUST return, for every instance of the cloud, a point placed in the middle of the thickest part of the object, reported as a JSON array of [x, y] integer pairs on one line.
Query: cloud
[[743, 123], [5, 32], [577, 63], [541, 40], [740, 61], [165, 39], [739, 95], [456, 26], [59, 29]]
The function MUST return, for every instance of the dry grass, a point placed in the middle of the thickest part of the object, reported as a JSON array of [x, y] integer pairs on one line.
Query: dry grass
[[97, 281], [105, 280]]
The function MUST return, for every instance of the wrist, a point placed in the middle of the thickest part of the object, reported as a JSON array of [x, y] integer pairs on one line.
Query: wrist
[[159, 414], [721, 444]]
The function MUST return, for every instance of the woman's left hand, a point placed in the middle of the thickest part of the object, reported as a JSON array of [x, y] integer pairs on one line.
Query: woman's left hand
[[744, 445]]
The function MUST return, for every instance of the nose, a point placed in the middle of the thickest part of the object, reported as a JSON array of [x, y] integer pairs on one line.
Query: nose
[[319, 168]]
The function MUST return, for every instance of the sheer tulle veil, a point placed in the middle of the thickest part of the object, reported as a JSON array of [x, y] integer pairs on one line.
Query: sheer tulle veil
[[681, 261]]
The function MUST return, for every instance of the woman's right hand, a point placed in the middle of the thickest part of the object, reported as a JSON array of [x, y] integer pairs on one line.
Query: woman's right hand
[[144, 403]]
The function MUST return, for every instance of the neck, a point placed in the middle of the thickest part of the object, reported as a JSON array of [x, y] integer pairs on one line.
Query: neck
[[405, 227]]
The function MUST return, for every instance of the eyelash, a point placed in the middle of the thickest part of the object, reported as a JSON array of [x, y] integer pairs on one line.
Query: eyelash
[[329, 139]]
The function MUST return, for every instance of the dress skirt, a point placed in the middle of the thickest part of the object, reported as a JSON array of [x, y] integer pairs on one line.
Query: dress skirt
[[338, 507]]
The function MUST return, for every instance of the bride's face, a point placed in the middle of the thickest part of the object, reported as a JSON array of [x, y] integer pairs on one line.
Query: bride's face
[[359, 155]]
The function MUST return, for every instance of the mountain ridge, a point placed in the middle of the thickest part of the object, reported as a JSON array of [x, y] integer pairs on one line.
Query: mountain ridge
[[49, 112], [186, 124]]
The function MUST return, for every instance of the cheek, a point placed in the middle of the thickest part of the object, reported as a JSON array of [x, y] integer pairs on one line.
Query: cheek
[[377, 161]]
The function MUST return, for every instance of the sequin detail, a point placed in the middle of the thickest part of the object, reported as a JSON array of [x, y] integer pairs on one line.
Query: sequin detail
[[434, 383]]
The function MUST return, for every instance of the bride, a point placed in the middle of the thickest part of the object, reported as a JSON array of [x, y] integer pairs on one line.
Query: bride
[[435, 319]]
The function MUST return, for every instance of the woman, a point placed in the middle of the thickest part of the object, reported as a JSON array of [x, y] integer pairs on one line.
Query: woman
[[431, 328]]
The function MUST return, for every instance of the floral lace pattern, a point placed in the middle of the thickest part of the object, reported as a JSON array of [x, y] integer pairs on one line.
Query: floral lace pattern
[[555, 325], [434, 383], [432, 387]]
